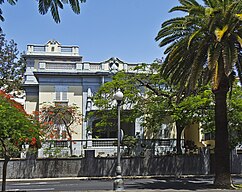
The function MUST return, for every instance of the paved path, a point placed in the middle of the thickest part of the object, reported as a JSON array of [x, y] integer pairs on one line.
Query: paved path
[[167, 184]]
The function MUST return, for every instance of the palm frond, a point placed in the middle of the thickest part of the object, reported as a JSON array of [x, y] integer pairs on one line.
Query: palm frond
[[192, 37], [169, 39], [226, 54], [214, 52], [203, 44], [44, 6], [197, 10], [239, 15], [174, 21], [55, 5], [186, 2], [194, 2], [1, 16], [219, 33], [209, 3], [12, 2], [198, 64], [54, 10], [239, 39], [179, 8], [216, 77], [168, 30], [75, 6]]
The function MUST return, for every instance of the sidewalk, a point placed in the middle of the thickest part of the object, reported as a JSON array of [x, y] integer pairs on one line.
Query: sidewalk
[[131, 184]]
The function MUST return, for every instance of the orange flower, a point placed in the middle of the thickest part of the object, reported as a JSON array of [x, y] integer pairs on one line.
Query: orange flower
[[36, 112], [33, 141], [51, 136]]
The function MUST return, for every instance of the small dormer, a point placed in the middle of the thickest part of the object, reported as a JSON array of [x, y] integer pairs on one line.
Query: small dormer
[[53, 46]]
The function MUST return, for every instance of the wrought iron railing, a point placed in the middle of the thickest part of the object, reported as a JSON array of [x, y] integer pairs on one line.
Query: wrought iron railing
[[108, 147]]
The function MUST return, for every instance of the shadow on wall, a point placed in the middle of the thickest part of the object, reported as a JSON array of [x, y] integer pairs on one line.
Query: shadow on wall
[[90, 166]]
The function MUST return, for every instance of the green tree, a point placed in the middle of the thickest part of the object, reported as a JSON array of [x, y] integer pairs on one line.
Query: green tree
[[203, 45], [234, 105], [103, 99], [16, 127], [11, 68], [235, 116], [151, 98], [44, 6], [56, 117], [164, 100]]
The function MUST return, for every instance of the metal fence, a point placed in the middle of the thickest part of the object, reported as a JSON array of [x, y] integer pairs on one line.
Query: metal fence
[[107, 147], [102, 147]]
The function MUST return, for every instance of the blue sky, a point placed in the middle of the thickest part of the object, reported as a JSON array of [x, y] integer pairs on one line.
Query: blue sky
[[105, 28]]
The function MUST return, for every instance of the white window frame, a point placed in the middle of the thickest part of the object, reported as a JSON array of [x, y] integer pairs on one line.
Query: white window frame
[[61, 92]]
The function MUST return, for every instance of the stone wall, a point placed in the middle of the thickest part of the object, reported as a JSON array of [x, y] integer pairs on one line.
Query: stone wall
[[97, 167]]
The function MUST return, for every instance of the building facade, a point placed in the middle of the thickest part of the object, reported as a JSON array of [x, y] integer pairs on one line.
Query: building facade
[[57, 74]]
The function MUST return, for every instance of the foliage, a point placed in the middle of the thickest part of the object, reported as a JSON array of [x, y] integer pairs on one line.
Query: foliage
[[234, 117], [55, 5], [53, 152], [11, 69], [50, 5], [150, 97], [205, 45], [130, 142], [55, 117], [16, 126], [104, 100]]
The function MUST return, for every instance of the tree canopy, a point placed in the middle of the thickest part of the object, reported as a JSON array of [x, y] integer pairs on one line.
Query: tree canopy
[[149, 97], [205, 45], [60, 121], [16, 128], [54, 117], [11, 68]]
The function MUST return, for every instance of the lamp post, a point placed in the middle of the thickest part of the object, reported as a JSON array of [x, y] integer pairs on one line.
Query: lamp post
[[118, 184]]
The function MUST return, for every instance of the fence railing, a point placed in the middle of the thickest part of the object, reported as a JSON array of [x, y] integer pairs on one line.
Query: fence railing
[[102, 147], [107, 147]]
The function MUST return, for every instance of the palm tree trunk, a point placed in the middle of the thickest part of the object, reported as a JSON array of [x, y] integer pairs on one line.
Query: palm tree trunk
[[222, 153]]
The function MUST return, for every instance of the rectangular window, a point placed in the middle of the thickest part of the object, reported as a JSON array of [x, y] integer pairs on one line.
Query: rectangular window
[[61, 93]]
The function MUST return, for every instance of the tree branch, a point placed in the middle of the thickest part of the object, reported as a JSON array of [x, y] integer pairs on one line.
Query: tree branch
[[156, 91]]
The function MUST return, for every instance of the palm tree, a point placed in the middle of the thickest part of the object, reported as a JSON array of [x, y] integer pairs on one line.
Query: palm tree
[[206, 44], [55, 5], [52, 5]]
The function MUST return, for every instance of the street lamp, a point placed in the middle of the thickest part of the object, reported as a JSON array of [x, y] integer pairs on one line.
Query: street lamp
[[118, 184]]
